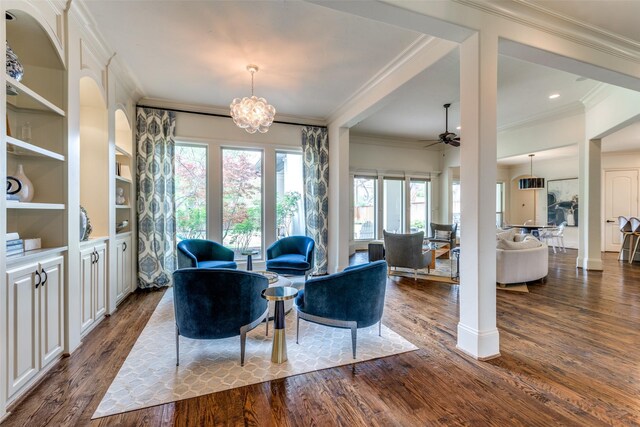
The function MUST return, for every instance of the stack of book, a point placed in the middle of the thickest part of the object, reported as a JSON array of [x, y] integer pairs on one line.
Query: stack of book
[[15, 245]]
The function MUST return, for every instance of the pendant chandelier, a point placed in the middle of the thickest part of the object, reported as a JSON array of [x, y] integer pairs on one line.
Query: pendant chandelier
[[252, 114], [531, 183]]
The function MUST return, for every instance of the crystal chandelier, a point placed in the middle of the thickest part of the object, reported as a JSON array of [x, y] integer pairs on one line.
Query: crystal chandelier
[[252, 114]]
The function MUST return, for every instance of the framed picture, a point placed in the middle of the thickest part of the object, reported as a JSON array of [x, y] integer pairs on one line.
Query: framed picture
[[562, 201]]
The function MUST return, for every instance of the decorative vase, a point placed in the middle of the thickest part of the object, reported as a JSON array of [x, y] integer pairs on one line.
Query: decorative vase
[[26, 192], [85, 225], [14, 69]]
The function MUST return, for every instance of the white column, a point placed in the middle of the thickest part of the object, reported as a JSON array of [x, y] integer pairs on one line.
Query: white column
[[269, 191], [339, 191], [477, 332], [589, 202]]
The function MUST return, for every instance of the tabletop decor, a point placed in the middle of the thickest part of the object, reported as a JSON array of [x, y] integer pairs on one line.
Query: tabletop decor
[[26, 192], [85, 225], [14, 69]]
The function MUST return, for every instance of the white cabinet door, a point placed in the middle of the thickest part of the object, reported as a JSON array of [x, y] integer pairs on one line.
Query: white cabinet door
[[127, 254], [86, 288], [120, 291], [51, 309], [22, 343], [123, 268], [100, 285]]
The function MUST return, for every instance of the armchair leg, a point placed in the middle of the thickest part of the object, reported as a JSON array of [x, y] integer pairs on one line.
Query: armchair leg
[[243, 342], [266, 322], [380, 328], [297, 328], [354, 333], [177, 346]]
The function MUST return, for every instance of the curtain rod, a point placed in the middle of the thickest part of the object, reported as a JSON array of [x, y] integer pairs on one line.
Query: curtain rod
[[201, 113]]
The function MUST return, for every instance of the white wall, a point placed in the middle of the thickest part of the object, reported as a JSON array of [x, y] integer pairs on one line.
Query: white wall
[[549, 170], [371, 154]]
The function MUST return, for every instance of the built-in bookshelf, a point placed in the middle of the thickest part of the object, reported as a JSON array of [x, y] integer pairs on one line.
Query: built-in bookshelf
[[123, 176], [36, 134]]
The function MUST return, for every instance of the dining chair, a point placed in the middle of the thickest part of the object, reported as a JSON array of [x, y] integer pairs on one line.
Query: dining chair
[[624, 224], [555, 237], [635, 229]]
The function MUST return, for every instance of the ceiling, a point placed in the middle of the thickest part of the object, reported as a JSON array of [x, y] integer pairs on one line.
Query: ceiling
[[313, 59]]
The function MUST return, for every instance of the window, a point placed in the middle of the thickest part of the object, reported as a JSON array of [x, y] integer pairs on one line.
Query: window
[[289, 191], [393, 207], [242, 200], [364, 210], [455, 205], [191, 191], [419, 206], [499, 204]]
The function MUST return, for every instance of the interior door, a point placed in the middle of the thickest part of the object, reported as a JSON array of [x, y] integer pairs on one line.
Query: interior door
[[621, 199]]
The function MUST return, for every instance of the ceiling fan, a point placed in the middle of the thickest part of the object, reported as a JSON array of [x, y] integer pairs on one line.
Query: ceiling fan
[[447, 137]]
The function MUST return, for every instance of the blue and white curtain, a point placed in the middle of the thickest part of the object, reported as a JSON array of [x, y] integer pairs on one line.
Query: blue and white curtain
[[155, 197], [315, 151]]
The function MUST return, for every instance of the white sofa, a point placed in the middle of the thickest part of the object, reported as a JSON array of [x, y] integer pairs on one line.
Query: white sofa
[[518, 265]]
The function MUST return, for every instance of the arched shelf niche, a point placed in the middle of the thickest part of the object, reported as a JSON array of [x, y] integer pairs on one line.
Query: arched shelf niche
[[94, 152]]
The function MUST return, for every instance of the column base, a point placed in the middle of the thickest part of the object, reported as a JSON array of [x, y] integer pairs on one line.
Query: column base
[[479, 345], [589, 264]]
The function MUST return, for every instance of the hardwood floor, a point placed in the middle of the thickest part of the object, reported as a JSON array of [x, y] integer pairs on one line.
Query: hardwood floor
[[570, 356]]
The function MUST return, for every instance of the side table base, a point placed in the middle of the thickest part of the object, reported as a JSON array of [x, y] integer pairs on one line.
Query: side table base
[[279, 349]]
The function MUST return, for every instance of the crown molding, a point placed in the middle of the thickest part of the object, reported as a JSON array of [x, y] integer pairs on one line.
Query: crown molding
[[573, 109], [538, 17], [88, 28], [224, 111], [596, 95], [423, 44]]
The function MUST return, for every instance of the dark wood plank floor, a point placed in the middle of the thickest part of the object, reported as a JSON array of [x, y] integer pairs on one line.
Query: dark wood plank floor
[[570, 356]]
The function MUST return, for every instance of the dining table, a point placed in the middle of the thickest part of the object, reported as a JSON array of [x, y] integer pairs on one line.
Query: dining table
[[531, 228]]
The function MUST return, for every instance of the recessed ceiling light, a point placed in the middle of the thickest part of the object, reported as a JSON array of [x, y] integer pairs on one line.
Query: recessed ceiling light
[[554, 96], [459, 127]]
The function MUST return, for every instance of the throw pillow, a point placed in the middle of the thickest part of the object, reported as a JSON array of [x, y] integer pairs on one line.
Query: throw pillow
[[506, 234], [443, 234]]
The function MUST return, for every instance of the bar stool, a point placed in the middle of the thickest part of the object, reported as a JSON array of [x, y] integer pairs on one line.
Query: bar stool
[[635, 229], [625, 228]]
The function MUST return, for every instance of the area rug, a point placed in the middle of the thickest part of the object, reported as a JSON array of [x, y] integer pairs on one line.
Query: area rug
[[149, 375], [442, 272], [514, 288]]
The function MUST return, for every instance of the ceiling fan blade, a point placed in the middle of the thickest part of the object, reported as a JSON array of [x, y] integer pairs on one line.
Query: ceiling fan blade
[[455, 142], [432, 141]]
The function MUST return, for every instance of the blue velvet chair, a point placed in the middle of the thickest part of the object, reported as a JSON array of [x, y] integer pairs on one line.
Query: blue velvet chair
[[218, 303], [291, 255], [199, 253], [351, 299]]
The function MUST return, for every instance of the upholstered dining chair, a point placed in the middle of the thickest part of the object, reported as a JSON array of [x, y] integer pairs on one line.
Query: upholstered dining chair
[[635, 229], [215, 303], [291, 255], [624, 224], [405, 250], [199, 253], [352, 299]]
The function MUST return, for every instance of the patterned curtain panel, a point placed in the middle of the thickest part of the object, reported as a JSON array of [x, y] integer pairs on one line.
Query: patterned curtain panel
[[315, 150], [156, 201]]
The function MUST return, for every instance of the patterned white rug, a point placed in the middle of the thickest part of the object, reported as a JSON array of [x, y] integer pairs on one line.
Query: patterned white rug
[[149, 375]]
